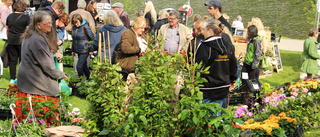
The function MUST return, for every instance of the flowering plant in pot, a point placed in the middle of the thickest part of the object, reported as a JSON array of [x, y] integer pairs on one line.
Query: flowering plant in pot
[[29, 127], [274, 125], [300, 101]]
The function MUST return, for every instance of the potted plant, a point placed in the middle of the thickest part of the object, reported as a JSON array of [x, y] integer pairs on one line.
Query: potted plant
[[5, 102]]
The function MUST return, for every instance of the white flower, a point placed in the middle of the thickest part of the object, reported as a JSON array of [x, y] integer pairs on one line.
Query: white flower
[[245, 106], [75, 110], [70, 105], [255, 104]]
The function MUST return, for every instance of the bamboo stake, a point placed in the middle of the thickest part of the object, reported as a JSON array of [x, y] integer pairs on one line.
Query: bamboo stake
[[194, 57], [99, 49], [104, 48], [109, 47]]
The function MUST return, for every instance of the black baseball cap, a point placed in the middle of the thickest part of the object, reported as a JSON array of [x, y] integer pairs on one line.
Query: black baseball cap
[[214, 3]]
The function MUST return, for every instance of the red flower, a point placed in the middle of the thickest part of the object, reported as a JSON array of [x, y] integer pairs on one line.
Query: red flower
[[208, 126], [165, 52], [198, 127], [213, 128]]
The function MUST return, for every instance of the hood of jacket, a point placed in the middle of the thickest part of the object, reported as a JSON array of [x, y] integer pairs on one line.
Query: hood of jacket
[[257, 38], [84, 21], [216, 43], [113, 28]]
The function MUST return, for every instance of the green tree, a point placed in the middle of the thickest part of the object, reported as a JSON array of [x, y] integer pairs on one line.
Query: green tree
[[309, 8]]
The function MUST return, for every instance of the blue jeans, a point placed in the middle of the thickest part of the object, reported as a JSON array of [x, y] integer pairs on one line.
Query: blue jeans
[[82, 65], [221, 103]]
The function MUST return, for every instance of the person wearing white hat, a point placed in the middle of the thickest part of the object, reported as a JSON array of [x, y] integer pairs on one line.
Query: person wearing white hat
[[118, 8]]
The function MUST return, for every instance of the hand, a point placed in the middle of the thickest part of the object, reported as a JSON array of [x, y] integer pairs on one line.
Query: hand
[[90, 53], [72, 53], [97, 16], [59, 56], [59, 42], [231, 86], [65, 77], [182, 51]]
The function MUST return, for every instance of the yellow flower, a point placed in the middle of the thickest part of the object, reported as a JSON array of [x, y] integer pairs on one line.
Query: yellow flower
[[250, 120], [269, 130], [276, 126], [289, 120], [294, 121], [270, 133], [282, 114], [314, 86], [252, 126]]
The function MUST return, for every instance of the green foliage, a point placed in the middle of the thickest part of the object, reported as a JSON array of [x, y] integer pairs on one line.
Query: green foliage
[[265, 88], [157, 104], [5, 101], [309, 8], [67, 60], [107, 108]]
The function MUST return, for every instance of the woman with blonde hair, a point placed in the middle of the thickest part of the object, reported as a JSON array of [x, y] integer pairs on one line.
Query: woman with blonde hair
[[198, 37], [309, 63], [92, 8], [163, 19], [131, 45], [150, 14], [113, 27], [217, 54]]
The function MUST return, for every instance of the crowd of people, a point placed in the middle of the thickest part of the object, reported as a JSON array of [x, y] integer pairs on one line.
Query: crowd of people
[[41, 33]]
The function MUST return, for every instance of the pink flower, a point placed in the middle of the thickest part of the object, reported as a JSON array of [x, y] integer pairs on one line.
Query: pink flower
[[267, 100], [274, 94], [15, 125], [281, 89], [295, 89], [305, 90], [42, 122], [295, 93], [301, 85]]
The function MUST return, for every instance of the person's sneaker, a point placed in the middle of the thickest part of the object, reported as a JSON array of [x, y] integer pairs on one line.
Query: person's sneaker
[[13, 81]]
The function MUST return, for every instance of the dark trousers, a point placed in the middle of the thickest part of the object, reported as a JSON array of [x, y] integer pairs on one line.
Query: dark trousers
[[251, 72], [14, 53], [82, 65]]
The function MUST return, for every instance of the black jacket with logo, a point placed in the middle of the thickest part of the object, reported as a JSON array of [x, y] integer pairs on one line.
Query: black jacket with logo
[[218, 53]]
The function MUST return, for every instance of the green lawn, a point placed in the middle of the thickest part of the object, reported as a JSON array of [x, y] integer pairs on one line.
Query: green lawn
[[291, 69]]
